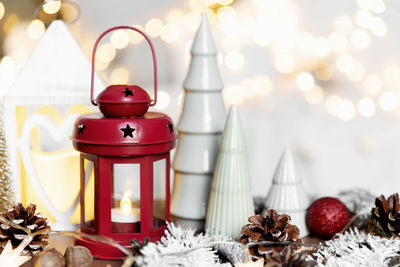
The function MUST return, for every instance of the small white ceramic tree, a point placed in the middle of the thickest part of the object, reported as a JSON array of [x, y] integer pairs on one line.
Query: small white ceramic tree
[[231, 201], [287, 194], [200, 127]]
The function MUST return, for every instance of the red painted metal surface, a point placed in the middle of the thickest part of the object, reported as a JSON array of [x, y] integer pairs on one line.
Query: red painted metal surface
[[152, 128], [123, 101], [124, 133]]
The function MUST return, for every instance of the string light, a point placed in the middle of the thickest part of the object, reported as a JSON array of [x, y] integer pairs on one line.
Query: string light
[[344, 24], [153, 27], [366, 107], [315, 95], [332, 104], [305, 81], [233, 94], [305, 43], [378, 27], [346, 110], [119, 39], [2, 10], [36, 29], [372, 84], [363, 18], [284, 63], [360, 39], [378, 6], [338, 41], [175, 16], [119, 76], [344, 63], [275, 25], [225, 2], [391, 76], [388, 101], [52, 6], [191, 20], [356, 73], [106, 52], [322, 47], [169, 33], [134, 36]]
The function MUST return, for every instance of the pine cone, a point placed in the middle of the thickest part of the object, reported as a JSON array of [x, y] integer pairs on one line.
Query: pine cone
[[25, 218], [288, 257], [274, 227], [385, 216]]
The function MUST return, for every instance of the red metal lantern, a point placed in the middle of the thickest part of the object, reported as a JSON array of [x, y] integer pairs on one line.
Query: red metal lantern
[[125, 165]]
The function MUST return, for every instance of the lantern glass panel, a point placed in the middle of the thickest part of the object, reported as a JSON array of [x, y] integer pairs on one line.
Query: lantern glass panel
[[88, 166], [125, 193], [159, 192]]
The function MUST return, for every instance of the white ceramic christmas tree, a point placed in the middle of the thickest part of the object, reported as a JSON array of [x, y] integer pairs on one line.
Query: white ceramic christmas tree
[[231, 202], [287, 194], [200, 127]]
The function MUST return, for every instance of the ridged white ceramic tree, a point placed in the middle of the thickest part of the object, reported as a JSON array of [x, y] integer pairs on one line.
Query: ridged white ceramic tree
[[200, 127], [231, 202], [287, 194]]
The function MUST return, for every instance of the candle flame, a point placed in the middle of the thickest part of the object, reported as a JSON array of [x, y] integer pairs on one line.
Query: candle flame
[[126, 204]]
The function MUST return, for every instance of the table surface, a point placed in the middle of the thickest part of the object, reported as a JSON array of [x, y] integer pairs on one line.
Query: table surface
[[62, 242]]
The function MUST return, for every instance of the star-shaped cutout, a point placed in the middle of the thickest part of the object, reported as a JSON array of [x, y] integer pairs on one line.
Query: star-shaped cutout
[[171, 127], [127, 92], [128, 131], [81, 128]]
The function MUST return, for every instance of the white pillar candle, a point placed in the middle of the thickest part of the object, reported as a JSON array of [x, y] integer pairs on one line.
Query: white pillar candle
[[118, 215]]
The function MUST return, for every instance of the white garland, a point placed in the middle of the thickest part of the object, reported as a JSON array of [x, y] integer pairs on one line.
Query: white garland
[[167, 252], [356, 249]]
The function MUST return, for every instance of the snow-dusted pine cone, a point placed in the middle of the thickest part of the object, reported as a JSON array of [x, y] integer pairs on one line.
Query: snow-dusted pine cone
[[385, 216], [272, 227], [288, 257], [28, 219]]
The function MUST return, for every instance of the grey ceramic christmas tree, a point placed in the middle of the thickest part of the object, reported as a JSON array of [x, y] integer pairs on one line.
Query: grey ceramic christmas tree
[[231, 202], [200, 127], [287, 194]]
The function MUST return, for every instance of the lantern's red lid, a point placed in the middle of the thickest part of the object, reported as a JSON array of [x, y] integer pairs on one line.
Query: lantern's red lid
[[97, 129], [123, 101]]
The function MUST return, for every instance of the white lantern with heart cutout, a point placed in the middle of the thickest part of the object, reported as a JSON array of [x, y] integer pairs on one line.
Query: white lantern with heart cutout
[[45, 167]]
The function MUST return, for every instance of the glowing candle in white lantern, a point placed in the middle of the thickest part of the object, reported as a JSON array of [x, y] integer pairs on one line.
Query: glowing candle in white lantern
[[125, 213]]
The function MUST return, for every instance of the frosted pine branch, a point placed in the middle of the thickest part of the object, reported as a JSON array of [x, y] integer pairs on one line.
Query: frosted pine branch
[[355, 248], [172, 250]]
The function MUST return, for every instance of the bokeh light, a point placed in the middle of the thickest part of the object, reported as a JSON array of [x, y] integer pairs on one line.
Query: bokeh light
[[52, 7], [119, 76], [169, 33], [154, 26], [305, 81], [234, 60], [388, 101], [346, 110], [119, 39], [36, 29], [366, 107], [284, 63], [2, 10], [372, 84], [360, 39]]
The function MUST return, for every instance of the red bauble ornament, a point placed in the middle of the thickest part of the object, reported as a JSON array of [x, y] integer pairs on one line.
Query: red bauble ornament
[[327, 216]]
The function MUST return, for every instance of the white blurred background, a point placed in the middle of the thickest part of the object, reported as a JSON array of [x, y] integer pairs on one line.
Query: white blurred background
[[320, 77]]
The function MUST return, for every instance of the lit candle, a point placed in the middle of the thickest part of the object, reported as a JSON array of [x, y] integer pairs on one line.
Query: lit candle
[[125, 213]]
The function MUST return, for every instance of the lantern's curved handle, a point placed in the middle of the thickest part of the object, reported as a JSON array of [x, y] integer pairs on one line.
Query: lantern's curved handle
[[152, 52]]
